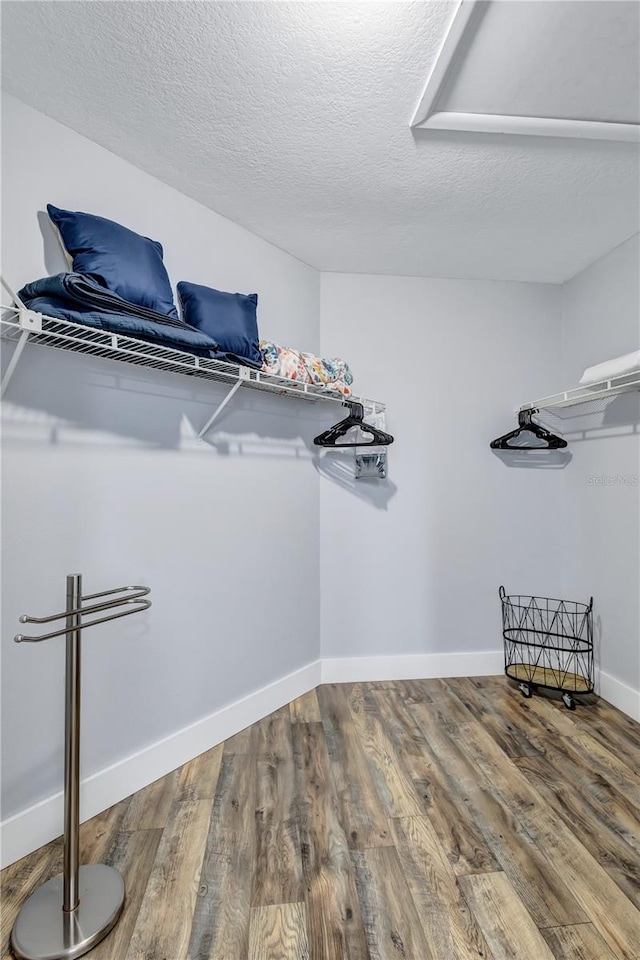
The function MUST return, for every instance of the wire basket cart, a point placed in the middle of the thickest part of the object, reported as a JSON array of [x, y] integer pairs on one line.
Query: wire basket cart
[[548, 643]]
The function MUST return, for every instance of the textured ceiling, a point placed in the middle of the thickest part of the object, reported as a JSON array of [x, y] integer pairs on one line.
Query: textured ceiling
[[293, 120]]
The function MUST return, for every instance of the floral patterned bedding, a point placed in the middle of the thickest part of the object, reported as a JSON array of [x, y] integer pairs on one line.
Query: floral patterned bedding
[[330, 373]]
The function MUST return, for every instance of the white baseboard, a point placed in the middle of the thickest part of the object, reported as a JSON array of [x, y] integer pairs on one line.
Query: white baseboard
[[412, 666], [619, 694], [37, 825]]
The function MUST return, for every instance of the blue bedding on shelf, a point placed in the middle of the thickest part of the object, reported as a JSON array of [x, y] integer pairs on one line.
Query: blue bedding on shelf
[[116, 257], [80, 299], [229, 318]]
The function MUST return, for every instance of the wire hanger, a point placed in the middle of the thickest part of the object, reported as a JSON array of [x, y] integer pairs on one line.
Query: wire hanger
[[355, 419], [527, 425]]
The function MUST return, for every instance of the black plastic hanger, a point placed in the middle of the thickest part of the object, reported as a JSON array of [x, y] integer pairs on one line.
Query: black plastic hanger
[[355, 419], [527, 425]]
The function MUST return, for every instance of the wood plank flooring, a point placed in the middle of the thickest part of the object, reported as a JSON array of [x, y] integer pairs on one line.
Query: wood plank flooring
[[417, 820]]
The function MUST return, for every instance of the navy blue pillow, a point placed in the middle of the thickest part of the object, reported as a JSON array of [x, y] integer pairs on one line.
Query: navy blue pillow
[[228, 318], [125, 262]]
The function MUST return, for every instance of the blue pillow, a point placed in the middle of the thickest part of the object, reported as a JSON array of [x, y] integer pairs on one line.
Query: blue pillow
[[125, 262], [228, 318]]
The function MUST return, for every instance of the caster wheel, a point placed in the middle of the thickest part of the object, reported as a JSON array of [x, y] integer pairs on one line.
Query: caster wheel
[[526, 690], [568, 701]]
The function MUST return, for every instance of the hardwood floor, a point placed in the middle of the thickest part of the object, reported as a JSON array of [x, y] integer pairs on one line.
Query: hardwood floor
[[416, 820]]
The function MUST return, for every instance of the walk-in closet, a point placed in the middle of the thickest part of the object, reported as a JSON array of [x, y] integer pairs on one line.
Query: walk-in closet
[[320, 480]]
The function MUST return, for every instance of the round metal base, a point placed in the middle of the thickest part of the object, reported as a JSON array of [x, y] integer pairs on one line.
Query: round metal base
[[43, 931]]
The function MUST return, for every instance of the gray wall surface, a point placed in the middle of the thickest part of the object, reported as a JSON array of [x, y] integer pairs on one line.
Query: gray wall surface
[[101, 475], [422, 556]]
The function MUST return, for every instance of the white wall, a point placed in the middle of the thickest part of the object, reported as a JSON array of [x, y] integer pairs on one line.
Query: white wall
[[601, 320], [101, 475], [414, 566]]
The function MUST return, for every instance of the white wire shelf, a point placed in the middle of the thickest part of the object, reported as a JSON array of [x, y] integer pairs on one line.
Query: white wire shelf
[[583, 400], [22, 326]]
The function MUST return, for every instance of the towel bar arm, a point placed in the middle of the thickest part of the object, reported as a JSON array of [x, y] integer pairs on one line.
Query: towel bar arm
[[140, 605], [134, 593], [139, 591]]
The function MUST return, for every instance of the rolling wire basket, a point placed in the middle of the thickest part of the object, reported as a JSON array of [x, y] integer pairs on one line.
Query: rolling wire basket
[[548, 643]]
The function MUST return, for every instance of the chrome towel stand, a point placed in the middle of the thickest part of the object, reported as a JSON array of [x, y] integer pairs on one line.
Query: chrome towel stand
[[71, 913]]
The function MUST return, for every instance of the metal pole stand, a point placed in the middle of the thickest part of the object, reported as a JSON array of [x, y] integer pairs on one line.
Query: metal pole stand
[[70, 914]]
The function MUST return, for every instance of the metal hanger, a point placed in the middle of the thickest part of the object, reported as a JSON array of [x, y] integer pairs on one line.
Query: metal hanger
[[355, 419], [527, 425]]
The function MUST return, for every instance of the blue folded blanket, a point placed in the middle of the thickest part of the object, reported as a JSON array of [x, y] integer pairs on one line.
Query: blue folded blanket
[[80, 299]]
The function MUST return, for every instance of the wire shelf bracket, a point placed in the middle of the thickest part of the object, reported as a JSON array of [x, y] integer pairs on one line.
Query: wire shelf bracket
[[216, 413]]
